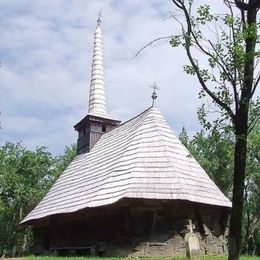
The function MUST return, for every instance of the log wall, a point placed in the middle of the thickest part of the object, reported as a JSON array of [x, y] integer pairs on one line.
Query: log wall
[[134, 228]]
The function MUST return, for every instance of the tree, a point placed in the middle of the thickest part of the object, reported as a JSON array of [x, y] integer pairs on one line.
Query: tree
[[25, 177], [252, 195], [230, 78], [63, 160]]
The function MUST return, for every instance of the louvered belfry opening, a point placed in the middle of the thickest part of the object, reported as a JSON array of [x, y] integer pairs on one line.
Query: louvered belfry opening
[[90, 129]]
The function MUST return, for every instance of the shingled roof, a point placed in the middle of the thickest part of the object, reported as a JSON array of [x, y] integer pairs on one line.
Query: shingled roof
[[141, 158]]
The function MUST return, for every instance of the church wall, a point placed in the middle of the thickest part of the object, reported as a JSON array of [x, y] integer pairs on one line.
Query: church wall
[[132, 228]]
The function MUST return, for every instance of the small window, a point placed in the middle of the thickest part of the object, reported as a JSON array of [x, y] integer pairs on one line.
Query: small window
[[104, 128]]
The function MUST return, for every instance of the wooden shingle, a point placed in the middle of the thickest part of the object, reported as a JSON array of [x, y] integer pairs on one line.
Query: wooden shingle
[[141, 158]]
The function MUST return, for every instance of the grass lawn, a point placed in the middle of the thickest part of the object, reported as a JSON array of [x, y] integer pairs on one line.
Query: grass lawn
[[142, 258]]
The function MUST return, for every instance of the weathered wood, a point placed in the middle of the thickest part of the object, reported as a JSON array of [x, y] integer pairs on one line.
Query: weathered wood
[[90, 129], [142, 159], [133, 228]]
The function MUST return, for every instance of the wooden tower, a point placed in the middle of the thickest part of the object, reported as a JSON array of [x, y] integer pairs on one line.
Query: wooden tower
[[97, 121]]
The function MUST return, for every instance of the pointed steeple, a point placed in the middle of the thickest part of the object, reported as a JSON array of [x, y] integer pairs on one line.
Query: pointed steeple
[[97, 121], [97, 98]]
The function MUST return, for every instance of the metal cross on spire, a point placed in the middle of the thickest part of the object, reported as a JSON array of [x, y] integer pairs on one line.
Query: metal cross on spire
[[99, 17], [155, 87]]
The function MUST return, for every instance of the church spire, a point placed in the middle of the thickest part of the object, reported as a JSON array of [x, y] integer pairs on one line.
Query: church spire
[[97, 121], [97, 98]]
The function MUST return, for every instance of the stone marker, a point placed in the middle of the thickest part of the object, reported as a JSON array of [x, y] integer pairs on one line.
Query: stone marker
[[192, 243]]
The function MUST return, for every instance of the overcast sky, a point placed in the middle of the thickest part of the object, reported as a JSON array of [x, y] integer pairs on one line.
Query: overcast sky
[[46, 53]]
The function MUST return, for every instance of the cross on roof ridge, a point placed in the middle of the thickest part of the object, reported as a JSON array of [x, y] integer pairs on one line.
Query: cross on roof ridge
[[155, 87]]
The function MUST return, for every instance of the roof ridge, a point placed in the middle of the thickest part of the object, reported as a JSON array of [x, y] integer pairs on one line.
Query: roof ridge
[[146, 110], [118, 127], [144, 113]]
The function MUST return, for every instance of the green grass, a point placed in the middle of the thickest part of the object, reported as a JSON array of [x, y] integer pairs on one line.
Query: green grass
[[142, 258]]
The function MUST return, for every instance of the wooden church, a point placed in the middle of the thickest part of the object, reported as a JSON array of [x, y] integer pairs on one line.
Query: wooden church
[[132, 190]]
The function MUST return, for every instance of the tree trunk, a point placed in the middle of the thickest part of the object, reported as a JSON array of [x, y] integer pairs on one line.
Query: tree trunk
[[13, 251], [235, 229], [24, 246], [253, 245], [241, 129], [247, 224]]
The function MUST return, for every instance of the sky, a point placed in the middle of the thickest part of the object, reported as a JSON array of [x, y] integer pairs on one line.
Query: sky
[[46, 53]]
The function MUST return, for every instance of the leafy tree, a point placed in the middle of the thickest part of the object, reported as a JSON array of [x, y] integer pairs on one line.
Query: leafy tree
[[252, 195], [64, 160], [25, 177], [229, 76]]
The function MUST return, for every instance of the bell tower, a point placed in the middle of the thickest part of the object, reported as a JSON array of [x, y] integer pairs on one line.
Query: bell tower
[[97, 121]]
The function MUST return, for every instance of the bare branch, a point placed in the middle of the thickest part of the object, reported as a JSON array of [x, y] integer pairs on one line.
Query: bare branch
[[177, 3], [233, 36], [197, 70], [221, 64], [253, 122], [243, 17], [150, 43], [230, 77]]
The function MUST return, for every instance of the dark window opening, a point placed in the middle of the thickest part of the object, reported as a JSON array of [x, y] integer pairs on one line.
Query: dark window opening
[[104, 128]]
